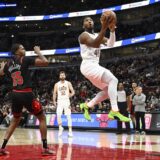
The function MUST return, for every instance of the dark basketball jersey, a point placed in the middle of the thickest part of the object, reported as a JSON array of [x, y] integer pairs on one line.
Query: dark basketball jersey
[[17, 69]]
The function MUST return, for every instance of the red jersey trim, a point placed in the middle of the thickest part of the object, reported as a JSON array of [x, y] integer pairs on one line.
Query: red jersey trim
[[23, 90]]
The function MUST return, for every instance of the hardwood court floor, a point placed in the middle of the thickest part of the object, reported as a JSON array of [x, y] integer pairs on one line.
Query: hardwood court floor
[[25, 144]]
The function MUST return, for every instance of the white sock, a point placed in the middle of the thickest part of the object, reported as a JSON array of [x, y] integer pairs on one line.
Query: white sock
[[112, 90], [69, 122], [101, 96]]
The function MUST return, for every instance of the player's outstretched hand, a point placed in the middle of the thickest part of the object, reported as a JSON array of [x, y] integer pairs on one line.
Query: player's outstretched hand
[[104, 21], [37, 49]]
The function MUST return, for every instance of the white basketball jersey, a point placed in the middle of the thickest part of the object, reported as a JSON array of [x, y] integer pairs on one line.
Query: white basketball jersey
[[90, 53], [63, 91]]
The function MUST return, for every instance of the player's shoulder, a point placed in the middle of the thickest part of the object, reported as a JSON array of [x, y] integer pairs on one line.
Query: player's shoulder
[[83, 34], [67, 81], [56, 83], [83, 37]]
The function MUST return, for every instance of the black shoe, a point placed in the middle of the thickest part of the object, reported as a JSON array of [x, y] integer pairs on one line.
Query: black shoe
[[47, 152], [119, 132]]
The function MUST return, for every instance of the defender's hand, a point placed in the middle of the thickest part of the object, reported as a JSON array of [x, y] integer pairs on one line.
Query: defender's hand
[[37, 49]]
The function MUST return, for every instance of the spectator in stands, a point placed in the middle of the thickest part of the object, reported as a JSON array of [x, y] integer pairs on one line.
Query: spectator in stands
[[123, 98], [139, 101]]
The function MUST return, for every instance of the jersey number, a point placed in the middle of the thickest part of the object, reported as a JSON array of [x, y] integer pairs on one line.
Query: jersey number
[[17, 78], [63, 93]]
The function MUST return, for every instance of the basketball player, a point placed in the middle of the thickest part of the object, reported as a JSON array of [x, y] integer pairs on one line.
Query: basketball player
[[22, 96], [99, 76], [63, 91]]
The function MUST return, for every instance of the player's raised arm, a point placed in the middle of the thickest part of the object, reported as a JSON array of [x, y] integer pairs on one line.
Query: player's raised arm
[[40, 60], [112, 26]]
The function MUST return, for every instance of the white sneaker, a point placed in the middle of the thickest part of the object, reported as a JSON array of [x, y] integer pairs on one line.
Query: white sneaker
[[137, 132], [60, 131], [143, 132], [70, 134]]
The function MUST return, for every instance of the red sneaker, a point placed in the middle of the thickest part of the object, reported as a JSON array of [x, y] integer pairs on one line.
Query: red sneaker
[[47, 152], [3, 152]]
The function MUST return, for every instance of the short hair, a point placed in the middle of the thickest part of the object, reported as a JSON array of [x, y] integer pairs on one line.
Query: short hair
[[86, 18], [15, 47]]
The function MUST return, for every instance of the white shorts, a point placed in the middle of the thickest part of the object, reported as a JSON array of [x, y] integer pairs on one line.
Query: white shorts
[[94, 72], [63, 106]]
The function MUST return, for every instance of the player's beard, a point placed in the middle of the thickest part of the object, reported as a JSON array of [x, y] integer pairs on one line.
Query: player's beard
[[62, 79]]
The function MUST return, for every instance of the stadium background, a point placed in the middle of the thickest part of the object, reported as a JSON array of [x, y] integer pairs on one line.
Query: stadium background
[[131, 61]]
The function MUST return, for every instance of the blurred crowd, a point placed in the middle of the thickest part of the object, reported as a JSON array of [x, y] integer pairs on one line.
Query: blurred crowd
[[63, 33], [54, 36], [141, 69], [38, 7]]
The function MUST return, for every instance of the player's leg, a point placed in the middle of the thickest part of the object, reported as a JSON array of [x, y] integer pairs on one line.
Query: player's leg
[[67, 111], [112, 82], [16, 110], [106, 78], [69, 125], [35, 108], [43, 130], [59, 118], [101, 96], [14, 123]]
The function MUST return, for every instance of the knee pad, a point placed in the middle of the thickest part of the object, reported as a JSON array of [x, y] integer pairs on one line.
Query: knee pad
[[36, 107]]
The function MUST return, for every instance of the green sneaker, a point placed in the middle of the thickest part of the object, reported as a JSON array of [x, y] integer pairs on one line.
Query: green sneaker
[[122, 118], [110, 116], [84, 108]]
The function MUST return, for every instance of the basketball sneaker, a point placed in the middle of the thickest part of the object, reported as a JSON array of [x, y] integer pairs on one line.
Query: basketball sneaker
[[84, 108], [70, 134], [60, 131], [143, 132], [3, 152], [47, 152], [122, 118]]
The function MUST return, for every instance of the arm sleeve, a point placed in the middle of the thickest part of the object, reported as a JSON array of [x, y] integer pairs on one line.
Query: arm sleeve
[[111, 40]]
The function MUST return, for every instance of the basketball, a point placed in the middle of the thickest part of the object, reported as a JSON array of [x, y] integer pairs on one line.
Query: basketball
[[112, 16]]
